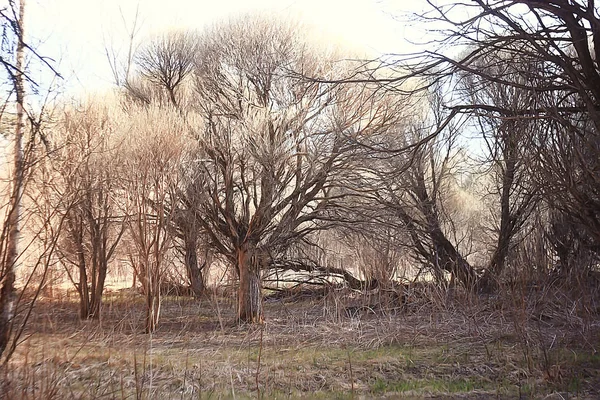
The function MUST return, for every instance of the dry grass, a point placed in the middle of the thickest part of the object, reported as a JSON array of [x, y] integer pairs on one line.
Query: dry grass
[[524, 344]]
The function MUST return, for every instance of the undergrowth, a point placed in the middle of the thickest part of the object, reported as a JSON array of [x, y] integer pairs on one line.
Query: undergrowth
[[528, 346]]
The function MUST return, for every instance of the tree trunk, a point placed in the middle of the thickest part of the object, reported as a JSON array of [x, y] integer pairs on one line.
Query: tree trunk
[[7, 276], [151, 291], [508, 220], [152, 310], [445, 256], [7, 299], [84, 297], [191, 263], [97, 291], [489, 280], [449, 259], [250, 302], [134, 280]]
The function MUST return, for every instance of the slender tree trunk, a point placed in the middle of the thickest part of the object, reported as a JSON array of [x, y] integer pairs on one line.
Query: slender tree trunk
[[134, 280], [7, 291], [153, 302], [84, 297], [489, 280], [76, 234], [99, 263], [135, 266], [250, 304], [96, 299]]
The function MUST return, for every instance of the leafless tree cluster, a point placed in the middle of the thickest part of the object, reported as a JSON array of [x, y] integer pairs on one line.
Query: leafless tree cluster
[[246, 146], [547, 98], [523, 75], [85, 196]]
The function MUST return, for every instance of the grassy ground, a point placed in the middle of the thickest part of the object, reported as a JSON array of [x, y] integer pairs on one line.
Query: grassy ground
[[515, 346]]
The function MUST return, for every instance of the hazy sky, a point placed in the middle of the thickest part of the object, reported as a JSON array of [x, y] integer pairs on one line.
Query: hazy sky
[[76, 32]]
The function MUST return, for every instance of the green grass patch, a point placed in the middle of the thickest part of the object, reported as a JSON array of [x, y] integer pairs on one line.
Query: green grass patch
[[433, 385]]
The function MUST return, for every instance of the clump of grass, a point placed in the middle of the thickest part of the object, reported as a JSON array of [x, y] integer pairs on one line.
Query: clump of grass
[[433, 385]]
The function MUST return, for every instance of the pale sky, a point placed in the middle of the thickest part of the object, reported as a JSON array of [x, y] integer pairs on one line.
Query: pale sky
[[76, 32]]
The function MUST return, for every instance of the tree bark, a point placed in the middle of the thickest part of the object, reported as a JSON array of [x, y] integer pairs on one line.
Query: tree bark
[[448, 258], [97, 291], [510, 219], [191, 263], [152, 310], [250, 302], [151, 288], [83, 289], [7, 292]]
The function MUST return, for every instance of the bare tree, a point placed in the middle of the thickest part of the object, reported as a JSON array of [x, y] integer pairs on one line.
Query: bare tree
[[27, 132], [509, 141], [186, 225], [86, 160], [561, 39], [411, 186], [276, 149], [150, 181], [162, 67], [164, 62], [121, 69], [43, 222], [13, 18]]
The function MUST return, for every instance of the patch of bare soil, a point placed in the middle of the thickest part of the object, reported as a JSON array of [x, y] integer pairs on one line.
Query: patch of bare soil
[[340, 344]]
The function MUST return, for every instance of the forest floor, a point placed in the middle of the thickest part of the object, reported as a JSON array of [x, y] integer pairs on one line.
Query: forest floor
[[519, 345]]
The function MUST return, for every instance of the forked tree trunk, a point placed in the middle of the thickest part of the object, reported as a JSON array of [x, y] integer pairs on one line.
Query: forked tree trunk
[[7, 271], [250, 304], [90, 298], [508, 219], [153, 301], [90, 301], [151, 289]]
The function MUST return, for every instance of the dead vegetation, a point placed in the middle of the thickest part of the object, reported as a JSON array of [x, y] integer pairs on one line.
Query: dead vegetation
[[523, 343], [244, 160]]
